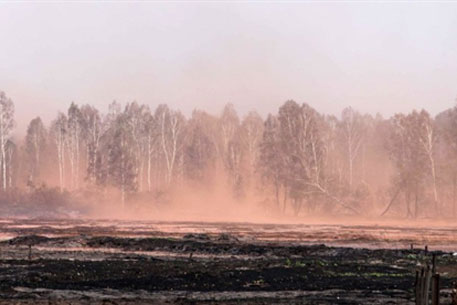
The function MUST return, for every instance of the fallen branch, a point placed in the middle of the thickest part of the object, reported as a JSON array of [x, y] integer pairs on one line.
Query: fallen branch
[[337, 200], [391, 201]]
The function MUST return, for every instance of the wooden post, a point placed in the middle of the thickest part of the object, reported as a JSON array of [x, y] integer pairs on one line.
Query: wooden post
[[420, 287], [425, 278], [436, 289], [434, 263], [428, 277], [30, 252], [417, 287]]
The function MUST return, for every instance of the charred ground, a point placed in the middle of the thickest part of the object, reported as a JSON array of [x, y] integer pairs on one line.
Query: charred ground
[[203, 269]]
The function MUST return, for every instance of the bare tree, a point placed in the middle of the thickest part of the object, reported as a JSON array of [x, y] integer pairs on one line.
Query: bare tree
[[6, 126], [122, 162], [171, 134], [74, 130], [410, 158], [200, 150], [35, 143], [59, 132], [250, 134], [136, 116], [427, 137], [446, 124], [271, 162], [151, 138], [353, 135], [93, 132]]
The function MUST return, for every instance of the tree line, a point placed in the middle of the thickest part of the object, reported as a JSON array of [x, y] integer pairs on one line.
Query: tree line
[[297, 161]]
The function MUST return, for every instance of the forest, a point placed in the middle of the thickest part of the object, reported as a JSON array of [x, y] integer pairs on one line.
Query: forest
[[294, 162]]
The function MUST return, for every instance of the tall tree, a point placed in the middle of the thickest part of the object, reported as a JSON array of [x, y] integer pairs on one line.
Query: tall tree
[[93, 132], [75, 129], [137, 117], [446, 124], [151, 137], [122, 162], [410, 159], [35, 143], [59, 133], [172, 124], [427, 137], [305, 154], [200, 150], [271, 162], [250, 134], [6, 126], [352, 129]]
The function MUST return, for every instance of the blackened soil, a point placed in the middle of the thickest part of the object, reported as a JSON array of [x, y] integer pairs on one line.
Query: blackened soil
[[198, 270]]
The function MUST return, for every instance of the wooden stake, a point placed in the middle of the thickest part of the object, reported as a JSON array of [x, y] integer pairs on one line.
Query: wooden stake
[[428, 278], [420, 289], [436, 289]]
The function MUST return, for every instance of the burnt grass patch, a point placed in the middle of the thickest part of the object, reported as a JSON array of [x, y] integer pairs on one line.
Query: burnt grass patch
[[225, 265]]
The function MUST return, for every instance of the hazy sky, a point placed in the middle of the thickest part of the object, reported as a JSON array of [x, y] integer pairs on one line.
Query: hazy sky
[[377, 57]]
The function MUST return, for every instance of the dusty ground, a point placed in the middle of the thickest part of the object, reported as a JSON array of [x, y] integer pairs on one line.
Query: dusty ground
[[61, 262]]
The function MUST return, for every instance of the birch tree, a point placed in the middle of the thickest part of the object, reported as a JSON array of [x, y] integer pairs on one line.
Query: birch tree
[[93, 132], [75, 130], [427, 139], [122, 162], [353, 134], [271, 162], [228, 126], [200, 150], [250, 134], [446, 123], [151, 138], [6, 126], [136, 117], [171, 125], [301, 138], [11, 151], [410, 159], [59, 133], [35, 144]]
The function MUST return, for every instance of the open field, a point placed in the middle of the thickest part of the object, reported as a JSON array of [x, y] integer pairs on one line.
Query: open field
[[106, 262]]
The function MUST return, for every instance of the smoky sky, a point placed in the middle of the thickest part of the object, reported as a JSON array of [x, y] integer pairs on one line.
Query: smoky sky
[[381, 57]]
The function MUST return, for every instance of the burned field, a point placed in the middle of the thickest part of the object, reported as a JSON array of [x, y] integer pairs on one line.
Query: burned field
[[73, 267]]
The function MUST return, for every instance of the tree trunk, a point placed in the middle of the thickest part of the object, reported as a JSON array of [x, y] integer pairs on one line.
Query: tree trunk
[[61, 162], [453, 194], [123, 182], [416, 202], [350, 169], [435, 191], [284, 199], [3, 168], [149, 167]]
